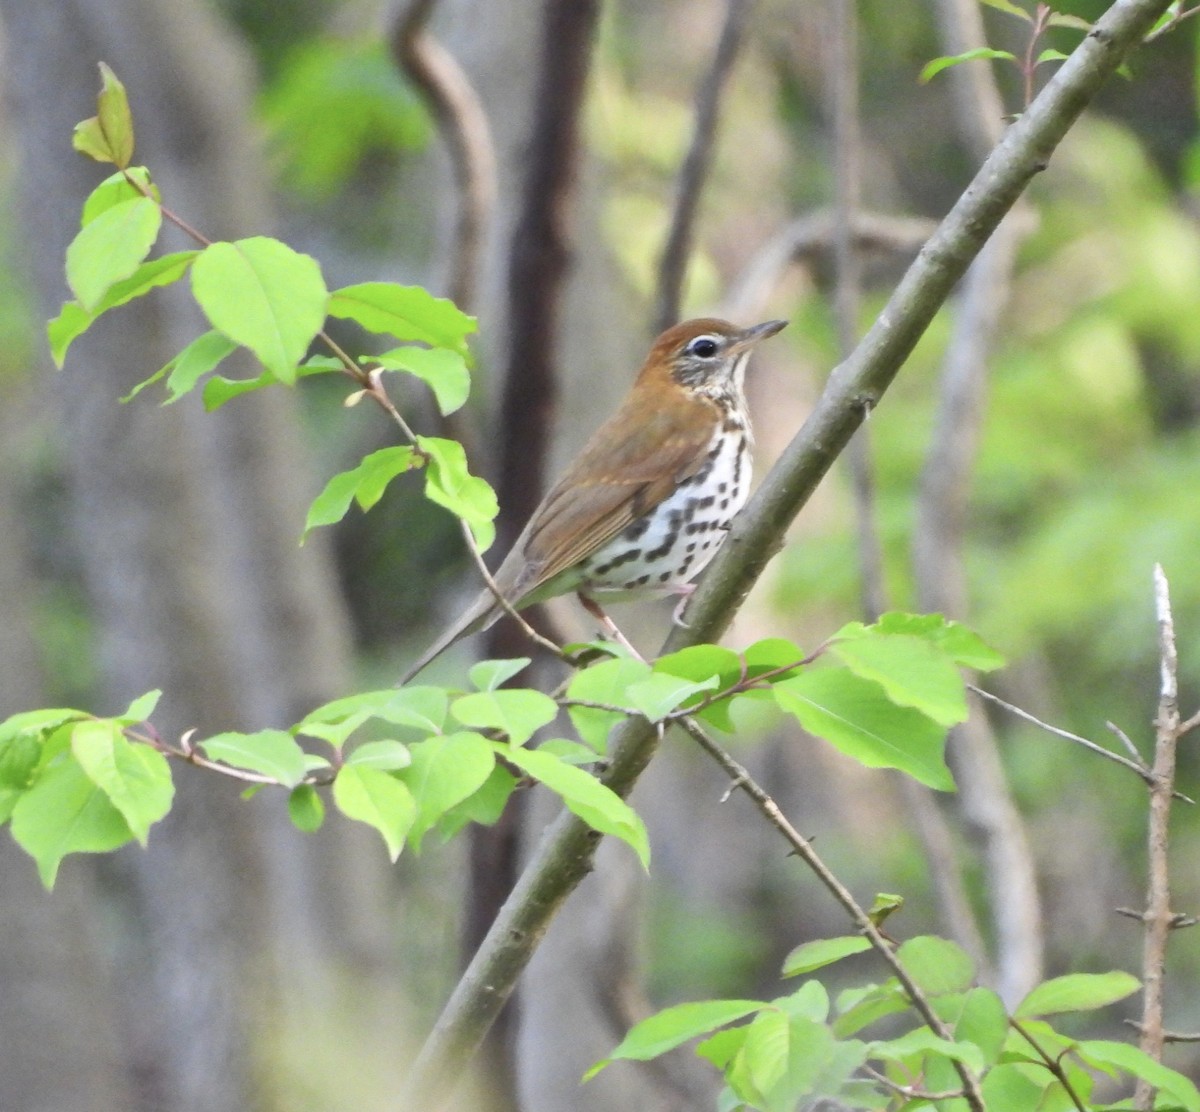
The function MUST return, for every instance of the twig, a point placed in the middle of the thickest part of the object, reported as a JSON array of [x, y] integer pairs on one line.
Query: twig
[[1051, 1063], [464, 128], [911, 1092], [803, 849], [692, 176], [1143, 770], [1158, 918], [564, 856], [1169, 1036]]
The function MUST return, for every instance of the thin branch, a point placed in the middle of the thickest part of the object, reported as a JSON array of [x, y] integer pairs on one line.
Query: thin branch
[[803, 849], [464, 128], [1158, 918], [911, 1092], [1051, 1063], [564, 856], [694, 172]]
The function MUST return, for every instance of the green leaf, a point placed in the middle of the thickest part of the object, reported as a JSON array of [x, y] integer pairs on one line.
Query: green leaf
[[659, 694], [860, 1008], [442, 370], [605, 682], [913, 672], [1137, 1063], [423, 708], [406, 312], [593, 802], [110, 249], [136, 778], [1061, 19], [673, 1027], [1011, 1087], [449, 484], [720, 1047], [377, 799], [263, 295], [364, 484], [1077, 992], [962, 645], [924, 1041], [701, 663], [219, 390], [140, 709], [856, 716], [107, 136], [764, 1053], [487, 675], [931, 69], [810, 1001], [484, 807], [445, 771], [115, 189], [74, 319], [387, 756], [821, 952], [272, 753], [938, 965], [190, 365], [984, 1022], [519, 712], [306, 808], [65, 812]]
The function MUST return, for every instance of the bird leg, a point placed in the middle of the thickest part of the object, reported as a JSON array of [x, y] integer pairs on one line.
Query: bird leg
[[685, 596], [607, 624]]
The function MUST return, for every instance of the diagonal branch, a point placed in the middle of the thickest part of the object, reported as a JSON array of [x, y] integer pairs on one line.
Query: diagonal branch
[[564, 856]]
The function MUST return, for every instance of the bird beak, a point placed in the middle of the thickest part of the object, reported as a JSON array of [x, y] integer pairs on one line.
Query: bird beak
[[751, 336]]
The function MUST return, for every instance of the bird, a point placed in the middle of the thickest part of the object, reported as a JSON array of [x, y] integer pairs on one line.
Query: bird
[[646, 504]]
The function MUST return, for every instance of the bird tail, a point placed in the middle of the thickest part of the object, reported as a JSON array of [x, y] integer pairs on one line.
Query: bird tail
[[480, 615]]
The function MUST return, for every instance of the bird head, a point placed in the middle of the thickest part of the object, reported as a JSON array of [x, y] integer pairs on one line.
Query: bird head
[[707, 355]]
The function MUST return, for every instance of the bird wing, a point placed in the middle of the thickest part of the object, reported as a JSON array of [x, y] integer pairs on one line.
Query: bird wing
[[616, 479]]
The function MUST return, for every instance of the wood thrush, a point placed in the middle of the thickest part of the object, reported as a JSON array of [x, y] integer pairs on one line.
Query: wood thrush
[[646, 504]]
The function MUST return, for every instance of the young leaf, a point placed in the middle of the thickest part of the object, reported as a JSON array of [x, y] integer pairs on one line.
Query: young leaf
[[364, 484], [190, 365], [107, 136], [449, 484], [306, 808], [519, 713], [1009, 8], [487, 675], [423, 708], [938, 965], [660, 694], [984, 1022], [445, 771], [406, 312], [117, 188], [444, 371], [933, 68], [962, 645], [860, 1008], [597, 805], [673, 1027], [219, 390], [74, 319], [602, 683], [923, 1040], [484, 806], [821, 952], [387, 756], [263, 295], [65, 812], [913, 672], [140, 709], [377, 799], [1136, 1063], [136, 778], [272, 753], [110, 248], [854, 715], [1077, 992]]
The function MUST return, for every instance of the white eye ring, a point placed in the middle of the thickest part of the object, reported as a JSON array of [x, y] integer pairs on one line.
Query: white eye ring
[[703, 346]]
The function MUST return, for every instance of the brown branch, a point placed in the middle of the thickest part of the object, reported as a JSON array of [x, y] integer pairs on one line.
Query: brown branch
[[1051, 1063], [803, 849], [464, 128], [1158, 919], [694, 172]]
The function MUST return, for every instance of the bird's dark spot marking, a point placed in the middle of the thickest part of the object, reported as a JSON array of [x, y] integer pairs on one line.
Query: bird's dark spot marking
[[617, 561], [691, 547], [640, 581], [636, 529], [667, 544], [664, 576]]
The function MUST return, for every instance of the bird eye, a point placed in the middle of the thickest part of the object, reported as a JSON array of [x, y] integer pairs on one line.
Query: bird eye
[[703, 346]]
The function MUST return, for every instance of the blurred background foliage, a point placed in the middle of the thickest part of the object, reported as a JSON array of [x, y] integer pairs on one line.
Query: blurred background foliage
[[1088, 473]]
